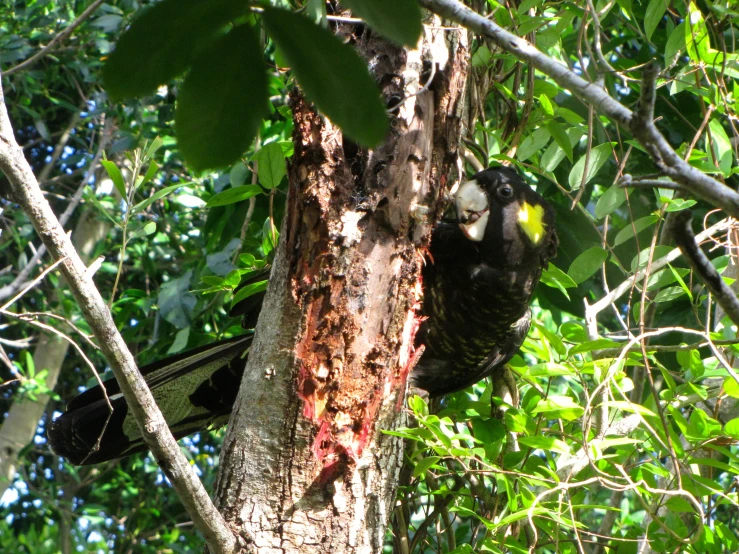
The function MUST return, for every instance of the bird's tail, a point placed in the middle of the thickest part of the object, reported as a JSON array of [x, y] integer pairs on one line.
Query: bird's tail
[[194, 390]]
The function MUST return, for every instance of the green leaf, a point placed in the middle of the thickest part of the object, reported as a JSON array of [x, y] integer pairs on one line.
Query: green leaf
[[424, 464], [233, 195], [587, 263], [532, 144], [696, 35], [678, 504], [238, 174], [115, 175], [155, 145], [223, 100], [668, 294], [546, 106], [655, 12], [141, 206], [270, 236], [397, 20], [643, 258], [160, 44], [701, 426], [556, 406], [731, 387], [590, 345], [418, 405], [272, 166], [102, 209], [176, 302], [679, 279], [679, 204], [731, 428], [180, 341], [560, 137], [722, 151], [316, 10], [248, 291], [598, 157], [332, 75], [554, 277], [640, 224], [675, 43], [150, 172], [548, 444], [630, 407], [232, 279], [552, 157], [610, 201], [548, 370]]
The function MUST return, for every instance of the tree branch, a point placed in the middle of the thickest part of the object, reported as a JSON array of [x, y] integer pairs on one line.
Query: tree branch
[[56, 40], [154, 428], [665, 157], [685, 239]]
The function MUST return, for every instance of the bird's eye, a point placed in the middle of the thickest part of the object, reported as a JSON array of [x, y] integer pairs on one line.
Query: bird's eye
[[505, 191]]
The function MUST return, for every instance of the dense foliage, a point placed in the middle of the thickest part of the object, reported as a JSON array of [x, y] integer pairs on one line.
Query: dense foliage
[[637, 394]]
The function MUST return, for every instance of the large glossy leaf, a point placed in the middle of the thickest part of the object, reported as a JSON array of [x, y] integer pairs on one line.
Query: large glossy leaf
[[223, 100], [655, 12], [598, 156], [332, 75], [398, 20], [161, 43], [271, 166], [610, 201], [587, 263]]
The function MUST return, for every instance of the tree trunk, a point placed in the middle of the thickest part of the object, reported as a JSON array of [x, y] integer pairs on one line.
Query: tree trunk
[[305, 466]]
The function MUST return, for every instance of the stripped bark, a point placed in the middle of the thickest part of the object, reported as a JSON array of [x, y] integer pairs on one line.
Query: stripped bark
[[305, 466]]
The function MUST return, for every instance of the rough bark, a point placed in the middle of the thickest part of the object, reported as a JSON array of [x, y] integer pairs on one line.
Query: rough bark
[[305, 466]]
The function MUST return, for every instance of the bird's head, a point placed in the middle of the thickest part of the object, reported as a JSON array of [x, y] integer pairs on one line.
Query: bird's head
[[501, 212]]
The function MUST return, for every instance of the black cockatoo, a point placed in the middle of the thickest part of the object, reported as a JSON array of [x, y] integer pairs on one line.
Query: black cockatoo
[[478, 282]]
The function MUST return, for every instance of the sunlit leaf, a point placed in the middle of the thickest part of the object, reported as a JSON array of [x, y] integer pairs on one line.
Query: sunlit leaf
[[271, 165]]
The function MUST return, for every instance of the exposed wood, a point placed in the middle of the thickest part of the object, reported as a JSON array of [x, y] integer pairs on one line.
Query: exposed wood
[[305, 466]]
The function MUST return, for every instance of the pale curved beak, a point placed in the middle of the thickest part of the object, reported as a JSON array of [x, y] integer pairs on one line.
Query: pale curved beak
[[473, 210]]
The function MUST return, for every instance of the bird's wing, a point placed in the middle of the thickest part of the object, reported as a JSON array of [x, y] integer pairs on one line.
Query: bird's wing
[[194, 390]]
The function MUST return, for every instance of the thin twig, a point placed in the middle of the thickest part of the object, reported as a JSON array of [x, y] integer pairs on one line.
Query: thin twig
[[593, 309], [141, 403], [646, 132], [56, 40]]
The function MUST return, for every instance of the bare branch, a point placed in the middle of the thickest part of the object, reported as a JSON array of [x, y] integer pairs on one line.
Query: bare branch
[[56, 40], [21, 279], [627, 181], [665, 157], [626, 285], [685, 239], [154, 428]]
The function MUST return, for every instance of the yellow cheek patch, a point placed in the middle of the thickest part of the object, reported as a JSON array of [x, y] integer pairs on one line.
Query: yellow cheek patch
[[531, 220]]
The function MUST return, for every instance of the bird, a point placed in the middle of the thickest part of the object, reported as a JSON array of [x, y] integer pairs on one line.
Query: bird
[[481, 271], [480, 279]]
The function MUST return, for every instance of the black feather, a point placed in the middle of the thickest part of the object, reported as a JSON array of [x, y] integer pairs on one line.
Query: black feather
[[476, 297], [477, 294]]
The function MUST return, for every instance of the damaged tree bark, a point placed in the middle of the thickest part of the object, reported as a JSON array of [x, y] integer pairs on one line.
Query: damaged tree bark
[[305, 466]]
